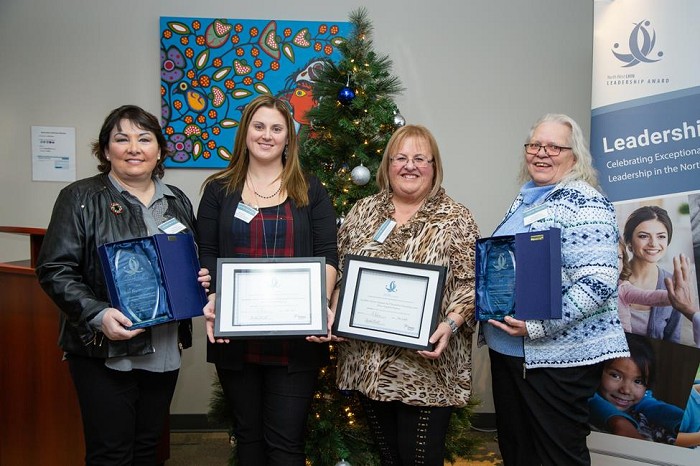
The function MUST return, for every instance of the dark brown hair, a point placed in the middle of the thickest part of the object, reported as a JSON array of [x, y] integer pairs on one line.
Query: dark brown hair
[[644, 213], [139, 118]]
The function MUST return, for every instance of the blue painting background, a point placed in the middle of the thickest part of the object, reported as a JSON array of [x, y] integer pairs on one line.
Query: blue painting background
[[211, 68]]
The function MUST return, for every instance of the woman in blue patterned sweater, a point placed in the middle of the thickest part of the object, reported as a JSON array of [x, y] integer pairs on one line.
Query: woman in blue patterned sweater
[[544, 371]]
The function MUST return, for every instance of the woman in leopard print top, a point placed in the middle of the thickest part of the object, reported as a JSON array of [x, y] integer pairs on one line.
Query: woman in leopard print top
[[408, 395]]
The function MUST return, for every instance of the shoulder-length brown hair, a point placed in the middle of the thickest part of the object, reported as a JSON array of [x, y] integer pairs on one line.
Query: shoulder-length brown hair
[[139, 118], [392, 147], [293, 180]]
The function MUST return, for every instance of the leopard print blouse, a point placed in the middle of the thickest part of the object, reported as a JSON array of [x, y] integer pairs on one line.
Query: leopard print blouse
[[442, 232]]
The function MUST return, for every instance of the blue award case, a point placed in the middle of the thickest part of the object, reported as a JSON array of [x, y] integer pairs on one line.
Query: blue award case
[[534, 281], [172, 268]]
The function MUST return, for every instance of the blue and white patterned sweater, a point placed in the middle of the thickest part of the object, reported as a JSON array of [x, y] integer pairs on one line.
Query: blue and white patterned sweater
[[589, 330]]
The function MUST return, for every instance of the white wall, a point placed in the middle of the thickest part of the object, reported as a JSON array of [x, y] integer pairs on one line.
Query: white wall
[[476, 73]]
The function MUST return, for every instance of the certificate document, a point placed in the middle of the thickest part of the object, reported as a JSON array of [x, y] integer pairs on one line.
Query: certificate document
[[271, 297], [391, 302]]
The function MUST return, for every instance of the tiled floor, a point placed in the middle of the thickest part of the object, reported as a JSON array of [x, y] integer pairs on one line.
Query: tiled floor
[[212, 449]]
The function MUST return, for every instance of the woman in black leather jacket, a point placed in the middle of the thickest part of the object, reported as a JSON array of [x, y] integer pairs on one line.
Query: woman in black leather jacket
[[124, 378]]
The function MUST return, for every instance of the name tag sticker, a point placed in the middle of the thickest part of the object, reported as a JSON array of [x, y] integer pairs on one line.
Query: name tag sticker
[[535, 213], [383, 232], [245, 212], [172, 226]]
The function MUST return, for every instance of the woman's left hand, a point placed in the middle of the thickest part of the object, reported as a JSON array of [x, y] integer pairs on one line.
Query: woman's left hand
[[204, 278], [511, 326], [440, 338]]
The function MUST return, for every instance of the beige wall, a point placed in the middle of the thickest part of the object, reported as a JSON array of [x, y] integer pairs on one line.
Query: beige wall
[[476, 73]]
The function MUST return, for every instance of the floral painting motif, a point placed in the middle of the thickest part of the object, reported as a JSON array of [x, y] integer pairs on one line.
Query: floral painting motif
[[211, 68]]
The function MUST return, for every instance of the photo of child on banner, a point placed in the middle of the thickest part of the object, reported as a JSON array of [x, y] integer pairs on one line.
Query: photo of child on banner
[[640, 398]]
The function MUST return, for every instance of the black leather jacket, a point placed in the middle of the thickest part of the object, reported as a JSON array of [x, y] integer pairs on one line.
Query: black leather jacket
[[87, 214]]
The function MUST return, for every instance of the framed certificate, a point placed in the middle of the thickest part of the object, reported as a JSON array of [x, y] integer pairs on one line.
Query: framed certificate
[[271, 297], [391, 302]]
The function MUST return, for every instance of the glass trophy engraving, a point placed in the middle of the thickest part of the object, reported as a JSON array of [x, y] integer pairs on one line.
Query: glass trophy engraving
[[137, 278], [496, 298]]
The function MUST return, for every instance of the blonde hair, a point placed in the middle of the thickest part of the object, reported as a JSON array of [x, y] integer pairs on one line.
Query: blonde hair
[[392, 147], [293, 180]]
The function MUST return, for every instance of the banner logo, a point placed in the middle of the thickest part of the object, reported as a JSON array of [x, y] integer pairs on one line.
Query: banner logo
[[641, 45]]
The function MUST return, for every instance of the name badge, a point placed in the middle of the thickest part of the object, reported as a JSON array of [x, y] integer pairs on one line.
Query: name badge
[[535, 213], [245, 212], [172, 226], [384, 230]]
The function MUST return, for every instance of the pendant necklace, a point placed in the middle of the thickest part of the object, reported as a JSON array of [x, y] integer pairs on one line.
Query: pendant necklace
[[262, 220]]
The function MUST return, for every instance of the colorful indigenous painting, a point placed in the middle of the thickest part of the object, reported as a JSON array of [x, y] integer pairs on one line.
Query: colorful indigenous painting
[[210, 68]]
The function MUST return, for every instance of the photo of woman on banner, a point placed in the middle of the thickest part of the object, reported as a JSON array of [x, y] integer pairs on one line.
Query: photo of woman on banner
[[677, 293], [647, 232], [639, 398]]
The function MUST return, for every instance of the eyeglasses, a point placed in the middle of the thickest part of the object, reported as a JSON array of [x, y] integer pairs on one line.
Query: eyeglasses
[[419, 161], [549, 149]]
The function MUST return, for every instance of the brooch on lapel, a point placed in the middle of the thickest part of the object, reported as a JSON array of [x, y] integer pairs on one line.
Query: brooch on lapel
[[116, 208]]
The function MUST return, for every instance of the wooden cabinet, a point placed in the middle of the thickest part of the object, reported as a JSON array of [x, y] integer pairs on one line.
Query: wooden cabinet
[[39, 413], [40, 421]]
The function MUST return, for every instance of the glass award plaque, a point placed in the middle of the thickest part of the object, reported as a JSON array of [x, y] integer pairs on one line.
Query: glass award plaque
[[153, 279], [138, 282], [495, 278], [530, 291]]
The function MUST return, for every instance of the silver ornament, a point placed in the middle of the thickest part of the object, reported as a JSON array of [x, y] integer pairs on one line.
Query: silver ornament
[[399, 120], [360, 175], [342, 463]]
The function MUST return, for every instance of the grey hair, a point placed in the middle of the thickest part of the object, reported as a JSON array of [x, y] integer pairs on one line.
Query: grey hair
[[583, 167]]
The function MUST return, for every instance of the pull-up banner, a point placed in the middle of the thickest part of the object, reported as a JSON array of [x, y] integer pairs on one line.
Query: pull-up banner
[[645, 142]]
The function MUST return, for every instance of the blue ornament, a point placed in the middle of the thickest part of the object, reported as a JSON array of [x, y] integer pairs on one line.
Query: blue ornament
[[345, 95]]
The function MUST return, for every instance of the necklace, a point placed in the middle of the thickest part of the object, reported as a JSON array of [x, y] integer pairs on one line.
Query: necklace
[[279, 188], [274, 243], [277, 217], [271, 195]]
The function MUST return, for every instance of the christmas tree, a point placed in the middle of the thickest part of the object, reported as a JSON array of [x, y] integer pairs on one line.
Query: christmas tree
[[343, 145], [354, 119]]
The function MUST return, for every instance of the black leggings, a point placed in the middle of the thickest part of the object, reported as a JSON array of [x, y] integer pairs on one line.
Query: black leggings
[[408, 435]]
